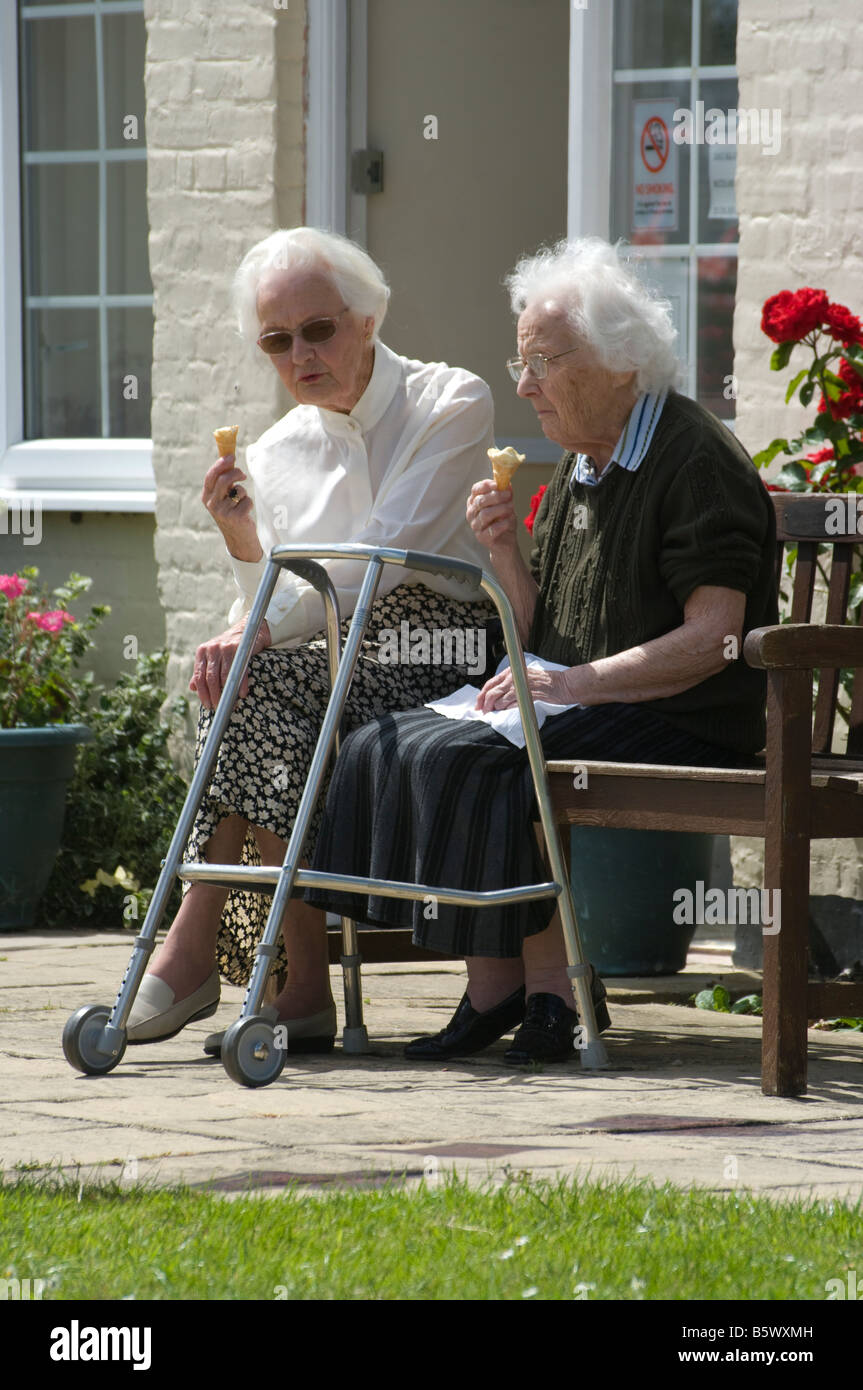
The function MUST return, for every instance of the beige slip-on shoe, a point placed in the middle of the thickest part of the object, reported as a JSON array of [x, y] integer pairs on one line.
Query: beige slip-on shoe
[[317, 1033], [155, 1016]]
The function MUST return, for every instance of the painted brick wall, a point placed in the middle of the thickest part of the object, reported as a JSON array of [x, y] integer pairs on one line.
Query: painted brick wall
[[801, 211], [225, 168]]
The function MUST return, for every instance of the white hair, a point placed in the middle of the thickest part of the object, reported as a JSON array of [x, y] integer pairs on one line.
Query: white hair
[[352, 271], [627, 325]]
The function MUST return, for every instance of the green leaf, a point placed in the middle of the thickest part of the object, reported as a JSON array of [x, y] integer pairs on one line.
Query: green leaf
[[794, 384], [717, 999], [767, 455], [793, 477], [780, 355], [749, 1004], [807, 392]]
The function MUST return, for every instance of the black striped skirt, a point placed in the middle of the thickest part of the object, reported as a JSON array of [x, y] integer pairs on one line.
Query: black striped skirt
[[420, 798]]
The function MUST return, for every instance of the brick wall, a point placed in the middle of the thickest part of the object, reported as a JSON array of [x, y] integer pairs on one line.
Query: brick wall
[[801, 211], [225, 167]]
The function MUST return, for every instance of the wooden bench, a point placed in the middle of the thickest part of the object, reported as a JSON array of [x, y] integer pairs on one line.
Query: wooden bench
[[803, 792]]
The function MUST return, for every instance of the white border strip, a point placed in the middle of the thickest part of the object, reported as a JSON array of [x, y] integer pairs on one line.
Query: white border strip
[[590, 93], [327, 119]]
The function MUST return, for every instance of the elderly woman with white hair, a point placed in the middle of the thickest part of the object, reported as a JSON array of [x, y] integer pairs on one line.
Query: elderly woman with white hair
[[654, 553], [382, 450]]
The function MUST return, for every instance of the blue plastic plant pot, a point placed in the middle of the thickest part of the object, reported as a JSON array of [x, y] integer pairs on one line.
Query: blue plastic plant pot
[[36, 766], [623, 885]]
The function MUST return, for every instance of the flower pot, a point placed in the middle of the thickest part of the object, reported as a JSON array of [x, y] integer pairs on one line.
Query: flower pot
[[35, 767], [623, 883]]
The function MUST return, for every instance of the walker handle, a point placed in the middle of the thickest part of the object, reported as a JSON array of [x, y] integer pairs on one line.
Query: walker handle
[[443, 565]]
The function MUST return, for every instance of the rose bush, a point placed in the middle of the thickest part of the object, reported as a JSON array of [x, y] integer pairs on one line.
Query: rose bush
[[41, 645], [827, 455]]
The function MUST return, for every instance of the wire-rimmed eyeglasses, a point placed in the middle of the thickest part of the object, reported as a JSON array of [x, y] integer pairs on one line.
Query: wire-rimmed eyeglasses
[[536, 364]]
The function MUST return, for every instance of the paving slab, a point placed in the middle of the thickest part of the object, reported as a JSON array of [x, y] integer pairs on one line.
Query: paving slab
[[680, 1100]]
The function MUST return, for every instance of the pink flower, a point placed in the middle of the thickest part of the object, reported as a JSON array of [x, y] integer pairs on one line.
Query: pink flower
[[12, 585], [52, 621]]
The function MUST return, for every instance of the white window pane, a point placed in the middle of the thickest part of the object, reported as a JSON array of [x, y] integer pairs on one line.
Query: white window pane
[[128, 262], [652, 33], [124, 40], [61, 209], [130, 352], [63, 376], [59, 84]]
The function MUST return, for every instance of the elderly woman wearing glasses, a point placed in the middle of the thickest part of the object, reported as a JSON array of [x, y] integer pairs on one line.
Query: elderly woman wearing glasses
[[653, 555], [381, 450]]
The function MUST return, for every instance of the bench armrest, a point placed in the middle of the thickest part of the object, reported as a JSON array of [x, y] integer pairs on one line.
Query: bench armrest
[[804, 647]]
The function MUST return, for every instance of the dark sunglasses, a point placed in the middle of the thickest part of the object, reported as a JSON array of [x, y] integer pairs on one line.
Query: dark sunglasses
[[318, 331]]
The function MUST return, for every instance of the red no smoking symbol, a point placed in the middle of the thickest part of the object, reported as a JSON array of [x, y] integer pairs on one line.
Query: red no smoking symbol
[[655, 144]]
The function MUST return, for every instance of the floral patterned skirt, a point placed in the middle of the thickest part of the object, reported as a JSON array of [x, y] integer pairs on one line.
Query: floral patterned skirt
[[267, 748]]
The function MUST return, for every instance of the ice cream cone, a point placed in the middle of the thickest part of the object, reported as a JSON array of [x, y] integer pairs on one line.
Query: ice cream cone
[[504, 463], [226, 439]]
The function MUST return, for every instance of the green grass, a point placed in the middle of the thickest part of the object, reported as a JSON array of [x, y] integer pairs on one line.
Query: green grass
[[526, 1239]]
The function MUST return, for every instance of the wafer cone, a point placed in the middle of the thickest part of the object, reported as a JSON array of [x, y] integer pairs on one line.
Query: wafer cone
[[504, 463], [226, 438]]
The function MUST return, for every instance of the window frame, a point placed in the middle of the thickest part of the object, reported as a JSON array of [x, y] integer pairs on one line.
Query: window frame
[[92, 474], [593, 81]]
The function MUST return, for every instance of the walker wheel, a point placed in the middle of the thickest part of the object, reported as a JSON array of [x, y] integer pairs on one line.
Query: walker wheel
[[250, 1054], [80, 1041]]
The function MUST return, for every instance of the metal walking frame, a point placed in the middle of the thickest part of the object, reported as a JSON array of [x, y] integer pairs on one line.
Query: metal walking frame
[[253, 1049]]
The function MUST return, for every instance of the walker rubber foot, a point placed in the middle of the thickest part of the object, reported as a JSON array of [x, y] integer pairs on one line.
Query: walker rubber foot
[[594, 1057], [355, 1040]]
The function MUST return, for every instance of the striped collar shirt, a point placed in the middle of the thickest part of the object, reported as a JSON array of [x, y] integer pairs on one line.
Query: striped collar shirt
[[633, 444]]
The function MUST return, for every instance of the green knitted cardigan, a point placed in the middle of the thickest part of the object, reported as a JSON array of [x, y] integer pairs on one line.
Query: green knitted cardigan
[[616, 562]]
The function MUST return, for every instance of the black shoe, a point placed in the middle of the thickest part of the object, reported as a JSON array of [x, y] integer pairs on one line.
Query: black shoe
[[546, 1034], [468, 1031]]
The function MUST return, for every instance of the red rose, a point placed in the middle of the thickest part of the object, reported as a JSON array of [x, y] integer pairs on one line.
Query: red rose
[[842, 325], [821, 455], [851, 401], [534, 508], [787, 317]]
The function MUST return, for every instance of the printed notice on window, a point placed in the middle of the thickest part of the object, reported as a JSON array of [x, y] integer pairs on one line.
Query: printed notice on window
[[656, 186], [721, 164]]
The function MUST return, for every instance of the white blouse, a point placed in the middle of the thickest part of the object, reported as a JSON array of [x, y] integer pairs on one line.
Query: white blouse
[[396, 471]]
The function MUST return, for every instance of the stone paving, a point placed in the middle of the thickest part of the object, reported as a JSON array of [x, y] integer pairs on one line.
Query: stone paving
[[681, 1099]]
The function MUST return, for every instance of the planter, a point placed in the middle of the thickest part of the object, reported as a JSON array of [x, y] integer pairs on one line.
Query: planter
[[835, 938], [35, 767], [623, 882]]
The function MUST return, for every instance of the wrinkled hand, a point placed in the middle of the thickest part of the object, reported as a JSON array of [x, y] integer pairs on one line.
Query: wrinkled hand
[[232, 515], [554, 687], [213, 661], [491, 515]]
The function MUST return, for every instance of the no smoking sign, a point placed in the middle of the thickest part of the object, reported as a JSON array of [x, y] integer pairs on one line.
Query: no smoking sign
[[655, 189]]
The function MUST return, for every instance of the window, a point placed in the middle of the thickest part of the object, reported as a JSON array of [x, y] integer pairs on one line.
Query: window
[[88, 319], [675, 199], [76, 300]]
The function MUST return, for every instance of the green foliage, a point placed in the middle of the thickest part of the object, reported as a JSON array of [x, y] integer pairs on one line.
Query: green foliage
[[749, 1004], [122, 806], [716, 998]]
